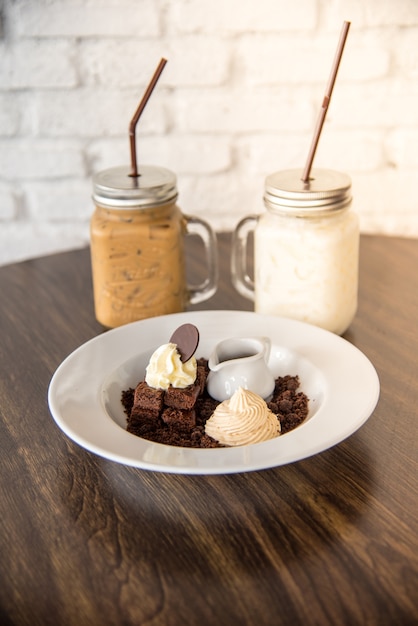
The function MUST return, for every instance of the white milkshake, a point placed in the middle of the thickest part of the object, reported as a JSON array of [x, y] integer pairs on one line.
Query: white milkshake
[[306, 250]]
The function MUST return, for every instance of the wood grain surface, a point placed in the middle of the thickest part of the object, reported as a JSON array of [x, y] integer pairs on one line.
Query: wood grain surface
[[84, 541]]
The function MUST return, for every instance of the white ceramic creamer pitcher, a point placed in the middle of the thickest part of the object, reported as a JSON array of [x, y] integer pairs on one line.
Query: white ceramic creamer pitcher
[[240, 362]]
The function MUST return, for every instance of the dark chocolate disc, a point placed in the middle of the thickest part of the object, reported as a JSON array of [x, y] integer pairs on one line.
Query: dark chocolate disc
[[186, 338]]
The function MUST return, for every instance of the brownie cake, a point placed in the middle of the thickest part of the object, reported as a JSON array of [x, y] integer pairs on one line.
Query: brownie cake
[[177, 417]]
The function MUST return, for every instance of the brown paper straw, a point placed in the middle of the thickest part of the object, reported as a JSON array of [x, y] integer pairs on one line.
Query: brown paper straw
[[137, 115], [326, 101]]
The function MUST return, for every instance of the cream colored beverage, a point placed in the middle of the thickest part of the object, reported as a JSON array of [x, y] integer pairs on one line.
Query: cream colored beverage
[[137, 247], [306, 250]]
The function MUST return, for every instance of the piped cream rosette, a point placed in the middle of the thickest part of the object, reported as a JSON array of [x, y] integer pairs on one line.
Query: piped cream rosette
[[243, 419], [165, 368]]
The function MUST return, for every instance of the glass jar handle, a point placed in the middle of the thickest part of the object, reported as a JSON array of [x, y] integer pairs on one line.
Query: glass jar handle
[[207, 288], [241, 279]]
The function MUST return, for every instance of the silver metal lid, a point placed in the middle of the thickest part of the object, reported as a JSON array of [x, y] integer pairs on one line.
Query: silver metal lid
[[325, 191], [115, 188]]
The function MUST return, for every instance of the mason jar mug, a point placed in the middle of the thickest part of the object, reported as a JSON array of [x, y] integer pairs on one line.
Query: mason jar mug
[[306, 250]]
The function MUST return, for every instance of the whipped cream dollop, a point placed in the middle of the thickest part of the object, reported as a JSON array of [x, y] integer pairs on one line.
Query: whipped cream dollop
[[165, 368], [242, 419]]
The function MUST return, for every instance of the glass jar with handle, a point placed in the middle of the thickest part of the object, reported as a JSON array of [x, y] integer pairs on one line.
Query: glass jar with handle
[[306, 250], [137, 236]]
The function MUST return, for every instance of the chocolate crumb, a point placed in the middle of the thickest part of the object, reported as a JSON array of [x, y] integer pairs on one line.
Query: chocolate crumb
[[186, 427], [128, 400]]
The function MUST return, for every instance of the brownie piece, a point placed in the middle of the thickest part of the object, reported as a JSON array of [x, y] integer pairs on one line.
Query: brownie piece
[[148, 402], [202, 372], [181, 419], [182, 398]]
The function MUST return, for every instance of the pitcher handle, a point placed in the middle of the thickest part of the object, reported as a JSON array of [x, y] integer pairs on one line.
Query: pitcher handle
[[207, 288], [241, 278]]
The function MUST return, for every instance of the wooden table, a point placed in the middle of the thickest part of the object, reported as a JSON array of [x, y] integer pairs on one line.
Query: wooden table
[[329, 540]]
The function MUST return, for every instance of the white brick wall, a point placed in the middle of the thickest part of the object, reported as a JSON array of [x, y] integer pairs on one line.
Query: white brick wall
[[238, 99]]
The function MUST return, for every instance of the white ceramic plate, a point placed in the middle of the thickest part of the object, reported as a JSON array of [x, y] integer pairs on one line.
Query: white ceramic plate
[[85, 392]]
